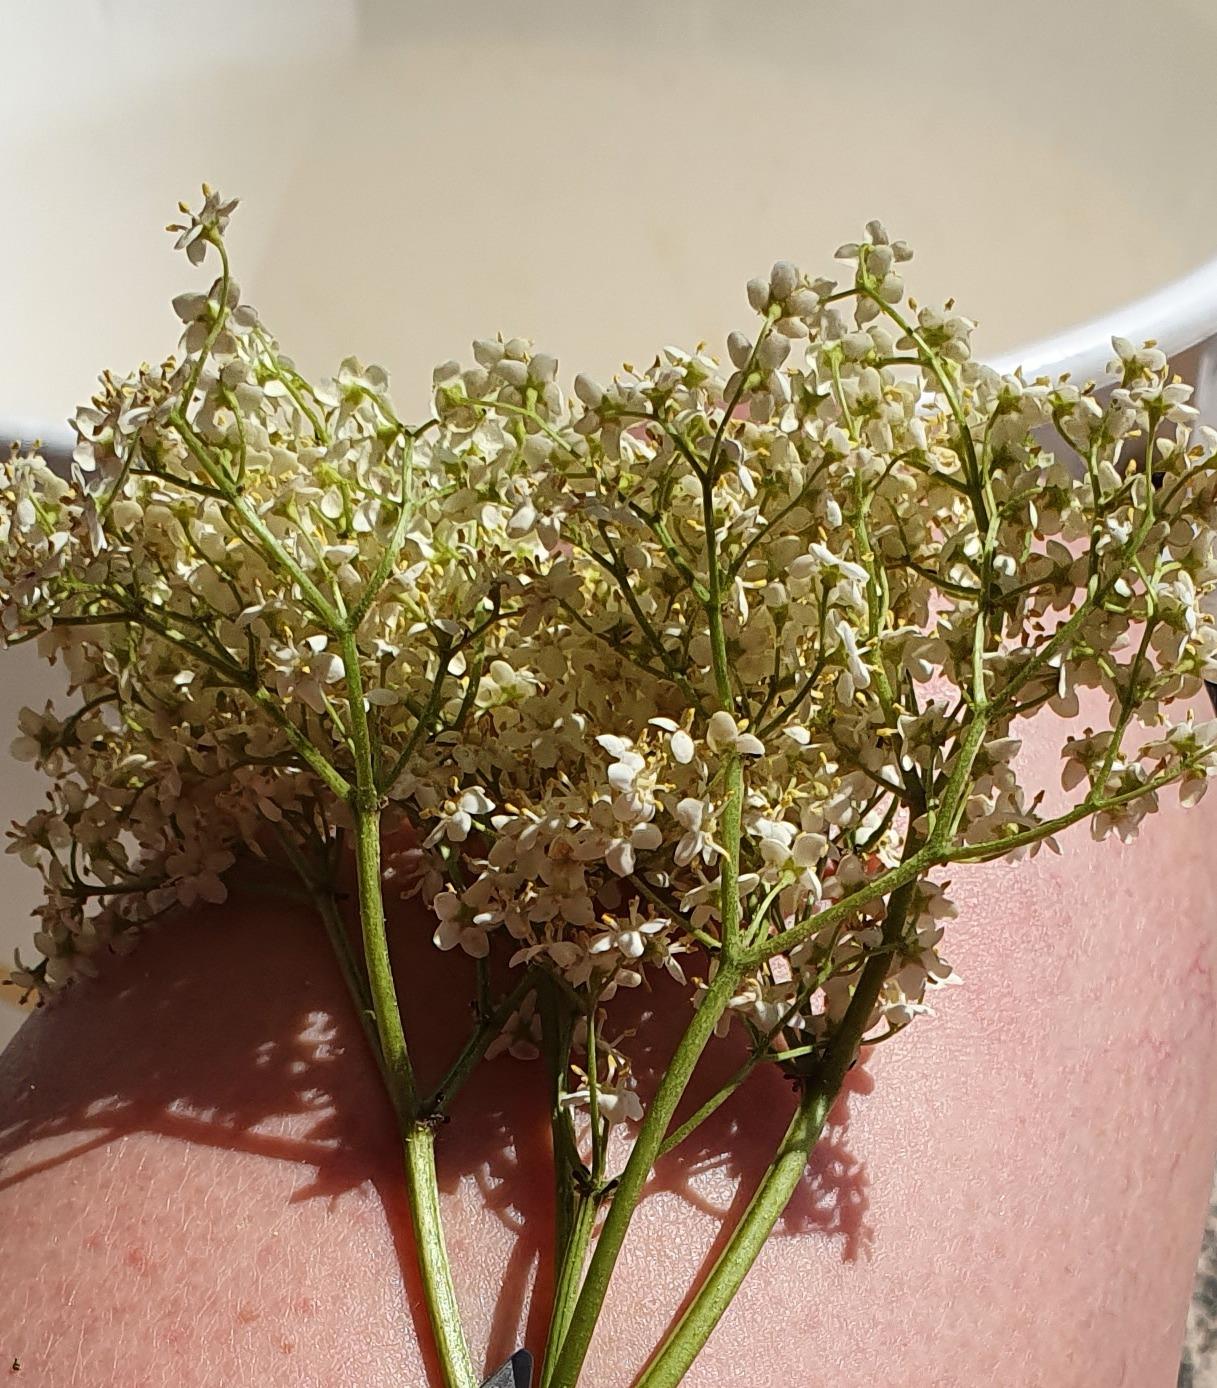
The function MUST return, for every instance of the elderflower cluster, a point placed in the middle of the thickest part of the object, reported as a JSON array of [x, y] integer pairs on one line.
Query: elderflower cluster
[[709, 668], [896, 542], [222, 515]]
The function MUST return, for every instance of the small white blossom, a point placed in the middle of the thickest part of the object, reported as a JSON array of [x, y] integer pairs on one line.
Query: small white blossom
[[723, 733], [460, 927]]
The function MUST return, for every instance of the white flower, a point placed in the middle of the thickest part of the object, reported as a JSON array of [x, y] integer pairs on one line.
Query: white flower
[[621, 854], [629, 937], [305, 671], [458, 926], [694, 816], [209, 221], [855, 677], [196, 874], [723, 733], [456, 822], [618, 1103], [680, 744], [40, 733], [521, 1033], [627, 764]]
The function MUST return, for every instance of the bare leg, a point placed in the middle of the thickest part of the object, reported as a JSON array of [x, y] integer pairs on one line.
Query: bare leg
[[199, 1182]]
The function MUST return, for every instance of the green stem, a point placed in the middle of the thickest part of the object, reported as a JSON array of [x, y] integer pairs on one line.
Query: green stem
[[711, 1106], [593, 1095], [422, 1190], [291, 383], [941, 373], [418, 1134], [571, 1176], [376, 955], [685, 1341], [217, 326], [567, 1279], [731, 826], [422, 726], [999, 847], [691, 1332], [761, 1052], [475, 1048], [308, 750], [321, 895], [391, 550], [340, 942], [236, 674], [634, 1176]]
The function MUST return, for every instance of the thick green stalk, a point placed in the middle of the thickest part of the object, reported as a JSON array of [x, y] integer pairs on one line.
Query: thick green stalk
[[422, 1190], [731, 828], [568, 1276], [570, 1175], [418, 1135], [686, 1339], [634, 1176], [402, 1088]]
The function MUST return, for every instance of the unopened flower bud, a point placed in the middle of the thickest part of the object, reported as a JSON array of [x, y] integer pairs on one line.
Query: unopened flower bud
[[803, 303], [772, 352], [543, 368], [488, 352], [739, 349], [783, 280], [515, 373], [588, 391]]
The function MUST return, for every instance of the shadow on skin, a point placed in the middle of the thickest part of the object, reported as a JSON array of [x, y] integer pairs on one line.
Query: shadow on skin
[[211, 1034]]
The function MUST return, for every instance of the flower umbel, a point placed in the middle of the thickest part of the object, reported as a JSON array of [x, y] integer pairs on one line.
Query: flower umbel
[[705, 676]]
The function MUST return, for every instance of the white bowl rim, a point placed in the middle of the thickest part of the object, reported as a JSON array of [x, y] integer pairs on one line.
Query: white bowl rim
[[1178, 316]]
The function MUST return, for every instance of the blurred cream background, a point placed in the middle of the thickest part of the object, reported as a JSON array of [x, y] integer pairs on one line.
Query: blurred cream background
[[603, 180]]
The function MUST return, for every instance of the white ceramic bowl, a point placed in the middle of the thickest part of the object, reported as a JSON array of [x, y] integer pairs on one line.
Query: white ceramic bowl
[[603, 179], [1181, 318]]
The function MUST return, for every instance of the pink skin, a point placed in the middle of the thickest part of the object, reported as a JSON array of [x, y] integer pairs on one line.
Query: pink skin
[[199, 1182]]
